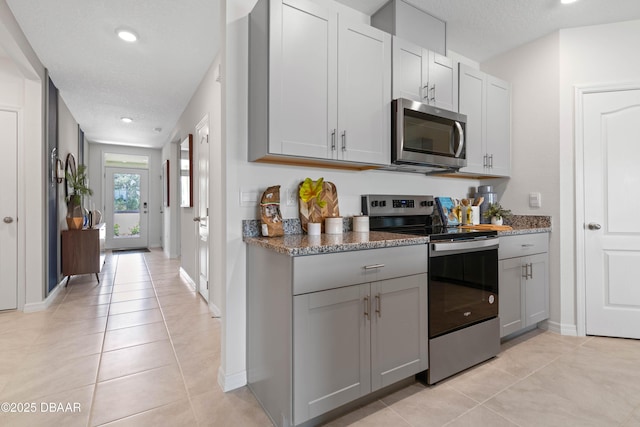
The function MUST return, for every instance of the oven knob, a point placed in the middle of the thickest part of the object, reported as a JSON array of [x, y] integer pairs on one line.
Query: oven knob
[[492, 299], [383, 203], [374, 203], [423, 203], [430, 203]]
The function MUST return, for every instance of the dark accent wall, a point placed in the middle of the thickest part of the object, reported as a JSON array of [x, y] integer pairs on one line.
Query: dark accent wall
[[53, 234]]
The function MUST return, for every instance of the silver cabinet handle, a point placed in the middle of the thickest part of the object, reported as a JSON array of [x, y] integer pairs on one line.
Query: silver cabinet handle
[[525, 273], [425, 89], [379, 305], [333, 140], [367, 307], [461, 139], [527, 245], [344, 140], [594, 226], [484, 161], [371, 267], [491, 161], [433, 91], [530, 270]]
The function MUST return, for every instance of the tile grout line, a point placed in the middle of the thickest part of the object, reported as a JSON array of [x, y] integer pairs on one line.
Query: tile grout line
[[104, 337], [175, 354]]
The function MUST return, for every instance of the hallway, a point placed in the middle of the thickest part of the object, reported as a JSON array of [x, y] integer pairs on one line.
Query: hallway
[[138, 349]]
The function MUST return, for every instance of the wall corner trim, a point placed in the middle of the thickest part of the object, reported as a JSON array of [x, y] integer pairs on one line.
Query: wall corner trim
[[232, 381]]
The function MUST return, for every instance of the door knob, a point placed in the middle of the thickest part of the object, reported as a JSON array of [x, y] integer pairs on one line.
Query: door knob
[[196, 219], [594, 226], [7, 219]]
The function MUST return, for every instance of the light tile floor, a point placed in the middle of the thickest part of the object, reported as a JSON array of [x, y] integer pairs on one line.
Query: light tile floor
[[141, 349]]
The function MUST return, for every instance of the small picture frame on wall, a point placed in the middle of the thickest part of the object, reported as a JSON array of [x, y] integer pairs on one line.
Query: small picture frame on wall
[[166, 181]]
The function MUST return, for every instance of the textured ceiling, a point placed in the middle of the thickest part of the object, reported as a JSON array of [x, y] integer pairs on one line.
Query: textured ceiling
[[481, 29], [102, 78]]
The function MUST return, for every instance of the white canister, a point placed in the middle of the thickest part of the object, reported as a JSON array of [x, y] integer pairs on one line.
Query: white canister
[[313, 228], [333, 225], [361, 224], [475, 215]]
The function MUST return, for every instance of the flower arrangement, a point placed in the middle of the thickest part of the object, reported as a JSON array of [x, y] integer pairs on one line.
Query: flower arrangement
[[311, 202]]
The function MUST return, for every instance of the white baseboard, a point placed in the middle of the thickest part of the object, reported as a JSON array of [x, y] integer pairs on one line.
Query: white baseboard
[[231, 382], [46, 303], [215, 310], [188, 278], [560, 328]]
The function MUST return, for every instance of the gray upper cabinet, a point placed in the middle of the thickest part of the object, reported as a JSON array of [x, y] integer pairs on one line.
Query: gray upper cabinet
[[408, 22], [319, 86], [486, 101], [424, 76]]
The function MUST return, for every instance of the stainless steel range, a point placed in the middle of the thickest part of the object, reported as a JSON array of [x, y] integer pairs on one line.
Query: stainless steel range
[[464, 328]]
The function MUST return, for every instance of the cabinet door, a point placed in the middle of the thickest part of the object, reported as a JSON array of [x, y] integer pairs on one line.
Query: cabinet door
[[498, 123], [443, 88], [536, 289], [471, 102], [364, 94], [409, 67], [331, 350], [303, 92], [398, 329], [510, 278]]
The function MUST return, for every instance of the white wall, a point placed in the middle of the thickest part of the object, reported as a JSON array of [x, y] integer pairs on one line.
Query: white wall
[[97, 182], [21, 86], [532, 71], [544, 75], [67, 144], [171, 214], [594, 55], [256, 177]]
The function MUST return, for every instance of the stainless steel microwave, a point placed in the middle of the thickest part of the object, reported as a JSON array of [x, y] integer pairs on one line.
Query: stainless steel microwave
[[427, 138]]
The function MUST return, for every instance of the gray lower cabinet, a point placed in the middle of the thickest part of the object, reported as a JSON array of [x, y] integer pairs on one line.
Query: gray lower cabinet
[[315, 345], [354, 340], [523, 269]]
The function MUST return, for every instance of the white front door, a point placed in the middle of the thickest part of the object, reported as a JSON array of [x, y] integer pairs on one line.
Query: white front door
[[127, 208], [202, 136], [612, 212], [8, 211]]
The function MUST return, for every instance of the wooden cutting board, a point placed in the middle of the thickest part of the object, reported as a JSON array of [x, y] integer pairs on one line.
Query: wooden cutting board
[[330, 195], [488, 227]]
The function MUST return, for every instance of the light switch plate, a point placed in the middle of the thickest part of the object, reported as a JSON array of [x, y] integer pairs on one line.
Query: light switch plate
[[292, 196], [535, 200], [248, 198]]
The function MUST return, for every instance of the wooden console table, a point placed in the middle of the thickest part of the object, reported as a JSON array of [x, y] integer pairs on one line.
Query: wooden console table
[[83, 251]]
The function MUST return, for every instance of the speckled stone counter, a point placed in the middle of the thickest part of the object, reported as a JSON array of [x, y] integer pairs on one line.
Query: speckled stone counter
[[303, 244], [527, 224]]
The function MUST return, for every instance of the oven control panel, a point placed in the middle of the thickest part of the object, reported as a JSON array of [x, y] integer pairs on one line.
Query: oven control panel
[[385, 204]]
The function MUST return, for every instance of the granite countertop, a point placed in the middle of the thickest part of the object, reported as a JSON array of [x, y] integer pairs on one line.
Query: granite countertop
[[524, 230], [303, 244], [527, 224]]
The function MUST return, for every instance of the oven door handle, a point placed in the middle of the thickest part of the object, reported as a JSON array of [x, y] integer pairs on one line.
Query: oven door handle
[[469, 245]]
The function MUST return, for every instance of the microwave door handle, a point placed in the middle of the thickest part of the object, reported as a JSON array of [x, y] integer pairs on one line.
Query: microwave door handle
[[461, 135]]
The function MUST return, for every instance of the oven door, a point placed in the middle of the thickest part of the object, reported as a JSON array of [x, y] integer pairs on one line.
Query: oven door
[[463, 284]]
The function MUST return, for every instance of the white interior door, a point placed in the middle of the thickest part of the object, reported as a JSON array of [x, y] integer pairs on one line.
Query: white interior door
[[202, 135], [127, 208], [8, 211], [611, 212]]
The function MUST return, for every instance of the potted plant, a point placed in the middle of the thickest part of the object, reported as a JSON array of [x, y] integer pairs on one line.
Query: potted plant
[[497, 213], [77, 182]]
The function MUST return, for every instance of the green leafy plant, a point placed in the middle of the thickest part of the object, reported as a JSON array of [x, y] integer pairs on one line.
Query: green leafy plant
[[495, 209], [77, 182], [116, 229], [135, 230]]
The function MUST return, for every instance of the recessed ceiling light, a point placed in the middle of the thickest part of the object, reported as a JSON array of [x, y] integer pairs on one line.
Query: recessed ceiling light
[[157, 130], [127, 35], [126, 119], [568, 1]]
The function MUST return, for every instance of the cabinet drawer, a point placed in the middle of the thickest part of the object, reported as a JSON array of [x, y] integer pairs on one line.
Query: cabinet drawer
[[327, 271], [523, 245]]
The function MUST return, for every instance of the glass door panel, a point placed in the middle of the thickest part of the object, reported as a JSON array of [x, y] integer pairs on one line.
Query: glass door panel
[[127, 208]]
